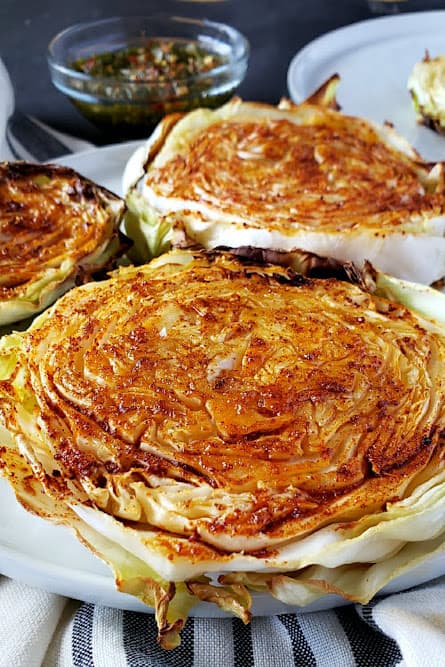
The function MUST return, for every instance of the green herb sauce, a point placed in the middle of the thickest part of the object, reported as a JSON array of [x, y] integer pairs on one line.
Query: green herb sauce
[[131, 89]]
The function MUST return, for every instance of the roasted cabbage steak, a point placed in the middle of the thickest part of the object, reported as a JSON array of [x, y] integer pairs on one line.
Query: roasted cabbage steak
[[209, 425], [290, 177], [56, 229]]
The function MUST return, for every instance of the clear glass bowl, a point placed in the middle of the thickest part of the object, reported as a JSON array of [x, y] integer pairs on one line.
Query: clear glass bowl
[[124, 108]]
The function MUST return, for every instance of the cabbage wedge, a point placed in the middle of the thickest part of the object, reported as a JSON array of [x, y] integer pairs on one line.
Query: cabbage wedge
[[425, 84], [56, 229], [210, 425], [289, 177]]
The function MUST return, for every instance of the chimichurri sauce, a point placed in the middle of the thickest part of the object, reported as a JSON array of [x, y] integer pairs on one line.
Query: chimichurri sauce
[[158, 60], [146, 82]]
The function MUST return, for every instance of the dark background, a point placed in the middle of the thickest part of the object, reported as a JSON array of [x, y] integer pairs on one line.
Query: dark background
[[276, 29]]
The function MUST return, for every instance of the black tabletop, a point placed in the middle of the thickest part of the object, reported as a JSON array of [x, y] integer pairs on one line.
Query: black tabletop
[[276, 29]]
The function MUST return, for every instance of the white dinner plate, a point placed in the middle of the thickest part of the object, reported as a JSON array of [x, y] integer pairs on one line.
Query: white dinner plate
[[374, 59], [50, 557]]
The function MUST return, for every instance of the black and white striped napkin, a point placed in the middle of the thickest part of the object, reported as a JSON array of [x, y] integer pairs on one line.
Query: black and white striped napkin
[[340, 637], [39, 629]]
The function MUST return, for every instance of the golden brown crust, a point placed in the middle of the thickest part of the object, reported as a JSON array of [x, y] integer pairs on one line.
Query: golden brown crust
[[293, 397], [49, 214], [332, 174]]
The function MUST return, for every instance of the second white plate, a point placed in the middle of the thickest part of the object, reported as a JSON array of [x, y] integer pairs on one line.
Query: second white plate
[[374, 59]]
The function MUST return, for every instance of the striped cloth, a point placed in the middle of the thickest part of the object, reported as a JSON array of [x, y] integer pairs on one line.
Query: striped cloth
[[39, 629]]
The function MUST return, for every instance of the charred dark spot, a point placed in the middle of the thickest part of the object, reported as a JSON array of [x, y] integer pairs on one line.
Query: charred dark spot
[[112, 467], [220, 383], [101, 482]]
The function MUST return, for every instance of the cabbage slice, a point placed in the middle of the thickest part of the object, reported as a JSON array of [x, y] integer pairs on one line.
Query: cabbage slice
[[237, 176], [353, 555], [57, 229]]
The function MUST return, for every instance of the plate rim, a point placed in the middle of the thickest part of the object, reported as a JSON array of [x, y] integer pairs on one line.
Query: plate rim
[[378, 25], [7, 100]]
